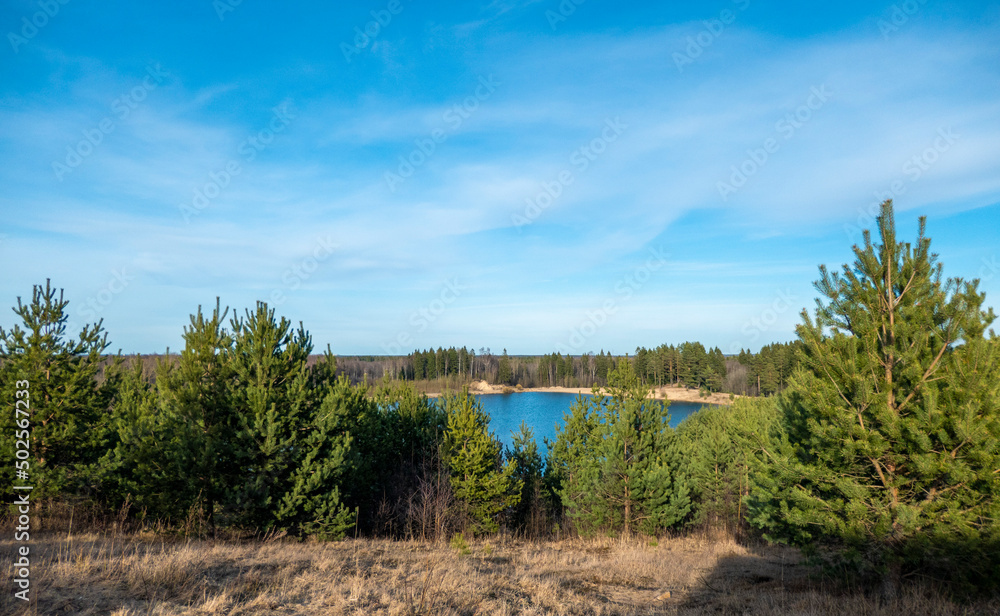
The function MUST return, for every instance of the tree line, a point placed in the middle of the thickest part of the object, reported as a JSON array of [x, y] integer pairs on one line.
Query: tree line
[[689, 364], [879, 456]]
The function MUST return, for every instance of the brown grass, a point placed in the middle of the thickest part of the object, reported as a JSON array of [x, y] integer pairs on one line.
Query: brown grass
[[140, 574]]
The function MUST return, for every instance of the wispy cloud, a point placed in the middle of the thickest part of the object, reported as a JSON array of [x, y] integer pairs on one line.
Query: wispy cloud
[[325, 175]]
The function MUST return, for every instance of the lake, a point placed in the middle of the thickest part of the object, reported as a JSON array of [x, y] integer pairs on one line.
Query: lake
[[542, 410]]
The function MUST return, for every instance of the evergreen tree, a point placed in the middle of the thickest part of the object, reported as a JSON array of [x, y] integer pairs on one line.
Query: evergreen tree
[[716, 370], [67, 407], [403, 449], [710, 462], [505, 375], [640, 363], [602, 367], [146, 466], [480, 480], [272, 401], [569, 468], [618, 460], [196, 396], [314, 503], [528, 461], [893, 420], [721, 448]]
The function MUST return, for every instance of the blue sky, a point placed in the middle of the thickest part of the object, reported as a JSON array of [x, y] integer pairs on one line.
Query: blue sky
[[536, 175]]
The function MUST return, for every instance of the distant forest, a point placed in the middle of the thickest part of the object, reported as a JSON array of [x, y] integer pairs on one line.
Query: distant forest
[[689, 364]]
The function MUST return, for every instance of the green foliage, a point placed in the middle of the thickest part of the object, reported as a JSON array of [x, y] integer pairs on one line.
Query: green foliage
[[396, 444], [689, 364], [145, 466], [505, 374], [313, 504], [431, 364], [67, 404], [528, 464], [893, 420], [272, 400], [196, 396], [721, 448], [239, 427], [481, 482], [615, 463], [769, 370], [556, 370], [460, 545]]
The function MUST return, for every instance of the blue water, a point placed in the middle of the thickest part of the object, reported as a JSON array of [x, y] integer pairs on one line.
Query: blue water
[[543, 411]]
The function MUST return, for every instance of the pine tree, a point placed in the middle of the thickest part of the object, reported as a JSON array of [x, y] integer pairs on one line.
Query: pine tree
[[893, 419], [67, 407], [710, 461], [272, 401], [145, 466], [528, 461], [314, 503], [480, 480], [617, 461], [721, 448], [505, 375], [403, 450], [602, 366], [570, 469], [716, 370], [196, 396]]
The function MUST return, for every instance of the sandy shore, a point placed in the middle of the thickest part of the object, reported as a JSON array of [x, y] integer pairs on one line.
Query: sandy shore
[[673, 393]]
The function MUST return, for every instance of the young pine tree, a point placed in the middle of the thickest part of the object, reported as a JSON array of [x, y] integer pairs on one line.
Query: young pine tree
[[710, 457], [480, 480], [617, 460], [145, 465], [893, 419], [570, 470], [721, 448], [67, 406], [530, 512], [314, 502], [196, 397], [272, 401]]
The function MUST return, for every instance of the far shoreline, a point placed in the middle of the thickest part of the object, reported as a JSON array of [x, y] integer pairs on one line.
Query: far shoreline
[[665, 392]]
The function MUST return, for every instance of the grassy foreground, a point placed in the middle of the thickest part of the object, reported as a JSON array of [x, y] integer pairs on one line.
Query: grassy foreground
[[143, 574]]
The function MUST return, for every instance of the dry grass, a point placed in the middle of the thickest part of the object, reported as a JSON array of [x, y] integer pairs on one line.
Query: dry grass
[[144, 574]]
